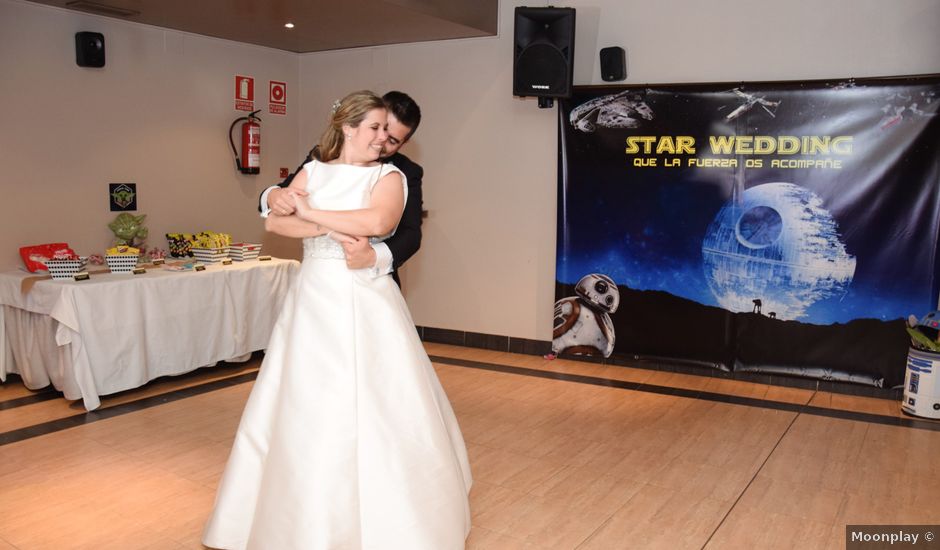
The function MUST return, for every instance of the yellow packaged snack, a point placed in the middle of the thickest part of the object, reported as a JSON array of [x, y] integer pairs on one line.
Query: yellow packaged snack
[[123, 251]]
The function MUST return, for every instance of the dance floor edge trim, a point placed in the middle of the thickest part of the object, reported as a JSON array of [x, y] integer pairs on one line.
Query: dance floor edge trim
[[873, 418], [105, 413]]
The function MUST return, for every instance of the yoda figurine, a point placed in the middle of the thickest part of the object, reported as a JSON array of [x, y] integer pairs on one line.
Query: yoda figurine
[[129, 230]]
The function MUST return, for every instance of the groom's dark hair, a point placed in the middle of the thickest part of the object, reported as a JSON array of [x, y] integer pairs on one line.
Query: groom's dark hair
[[404, 108]]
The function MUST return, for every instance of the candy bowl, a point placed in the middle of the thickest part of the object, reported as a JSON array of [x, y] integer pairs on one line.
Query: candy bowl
[[65, 269], [210, 255], [244, 251], [121, 263]]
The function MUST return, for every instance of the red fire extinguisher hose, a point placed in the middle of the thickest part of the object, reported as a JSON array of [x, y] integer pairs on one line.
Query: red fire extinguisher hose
[[250, 118]]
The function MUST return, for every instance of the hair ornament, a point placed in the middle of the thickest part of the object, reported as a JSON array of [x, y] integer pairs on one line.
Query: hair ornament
[[336, 105]]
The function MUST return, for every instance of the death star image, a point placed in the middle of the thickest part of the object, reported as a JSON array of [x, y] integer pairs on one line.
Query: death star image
[[776, 244]]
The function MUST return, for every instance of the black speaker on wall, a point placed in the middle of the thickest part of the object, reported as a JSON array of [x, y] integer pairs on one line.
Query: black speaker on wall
[[89, 49], [613, 63], [543, 53]]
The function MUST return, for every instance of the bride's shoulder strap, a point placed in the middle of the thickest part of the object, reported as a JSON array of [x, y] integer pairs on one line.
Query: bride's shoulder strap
[[385, 169], [309, 166], [308, 169]]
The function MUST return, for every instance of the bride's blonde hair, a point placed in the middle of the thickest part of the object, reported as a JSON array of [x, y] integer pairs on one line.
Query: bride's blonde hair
[[351, 110]]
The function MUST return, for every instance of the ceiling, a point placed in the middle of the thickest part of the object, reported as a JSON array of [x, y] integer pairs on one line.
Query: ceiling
[[319, 25]]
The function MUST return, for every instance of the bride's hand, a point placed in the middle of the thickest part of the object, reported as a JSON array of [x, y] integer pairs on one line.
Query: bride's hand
[[302, 208]]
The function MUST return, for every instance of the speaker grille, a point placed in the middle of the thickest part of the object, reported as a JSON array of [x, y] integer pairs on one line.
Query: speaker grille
[[541, 69]]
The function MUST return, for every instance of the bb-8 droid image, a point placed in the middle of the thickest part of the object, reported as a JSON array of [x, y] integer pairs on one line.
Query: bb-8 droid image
[[582, 323]]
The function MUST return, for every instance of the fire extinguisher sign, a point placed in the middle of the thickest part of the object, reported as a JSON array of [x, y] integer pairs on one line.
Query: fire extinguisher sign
[[244, 93], [277, 100]]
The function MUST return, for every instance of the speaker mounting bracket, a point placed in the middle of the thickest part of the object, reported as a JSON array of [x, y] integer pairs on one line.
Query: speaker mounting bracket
[[546, 102]]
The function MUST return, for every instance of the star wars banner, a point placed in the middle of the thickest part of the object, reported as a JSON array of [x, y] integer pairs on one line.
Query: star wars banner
[[773, 227]]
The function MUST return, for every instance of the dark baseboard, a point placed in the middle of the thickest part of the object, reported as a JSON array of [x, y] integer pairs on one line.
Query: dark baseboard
[[540, 347], [484, 341]]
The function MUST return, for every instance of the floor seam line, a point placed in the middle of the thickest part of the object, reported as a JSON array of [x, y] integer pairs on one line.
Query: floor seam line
[[756, 473]]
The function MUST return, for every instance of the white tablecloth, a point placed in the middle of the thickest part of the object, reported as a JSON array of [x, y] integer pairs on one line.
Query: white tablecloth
[[116, 332]]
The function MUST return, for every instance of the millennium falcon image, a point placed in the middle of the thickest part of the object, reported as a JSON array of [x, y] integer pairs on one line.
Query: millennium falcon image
[[623, 110]]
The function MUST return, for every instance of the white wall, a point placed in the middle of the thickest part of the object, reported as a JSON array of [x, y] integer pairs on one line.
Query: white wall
[[156, 114], [487, 261]]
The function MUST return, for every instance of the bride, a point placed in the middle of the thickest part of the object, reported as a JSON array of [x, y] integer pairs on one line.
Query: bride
[[347, 440]]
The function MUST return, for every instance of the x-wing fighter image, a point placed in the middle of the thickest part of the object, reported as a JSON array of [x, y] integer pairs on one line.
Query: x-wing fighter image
[[750, 100]]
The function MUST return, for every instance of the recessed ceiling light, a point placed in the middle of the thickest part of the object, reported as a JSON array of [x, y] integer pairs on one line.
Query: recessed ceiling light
[[289, 25]]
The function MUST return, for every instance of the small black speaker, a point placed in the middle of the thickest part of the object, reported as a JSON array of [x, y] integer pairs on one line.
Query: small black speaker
[[613, 63], [543, 52], [89, 49]]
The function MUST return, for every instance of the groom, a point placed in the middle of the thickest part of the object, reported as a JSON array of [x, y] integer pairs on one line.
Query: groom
[[387, 256]]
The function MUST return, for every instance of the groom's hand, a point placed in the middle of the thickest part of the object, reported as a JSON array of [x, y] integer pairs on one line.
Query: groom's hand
[[359, 254], [281, 200]]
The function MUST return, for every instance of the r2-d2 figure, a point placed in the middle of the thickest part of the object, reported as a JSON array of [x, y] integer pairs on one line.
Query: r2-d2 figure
[[922, 379], [582, 323]]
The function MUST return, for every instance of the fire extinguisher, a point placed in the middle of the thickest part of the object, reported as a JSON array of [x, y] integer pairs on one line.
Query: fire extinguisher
[[251, 144]]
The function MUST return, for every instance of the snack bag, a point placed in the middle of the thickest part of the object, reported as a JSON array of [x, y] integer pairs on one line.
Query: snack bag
[[180, 246], [36, 256], [211, 239]]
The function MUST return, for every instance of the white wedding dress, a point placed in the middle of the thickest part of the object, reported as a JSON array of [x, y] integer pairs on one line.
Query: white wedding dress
[[347, 440]]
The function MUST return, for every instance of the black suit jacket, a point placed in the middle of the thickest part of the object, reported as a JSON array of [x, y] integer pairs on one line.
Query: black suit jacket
[[407, 238]]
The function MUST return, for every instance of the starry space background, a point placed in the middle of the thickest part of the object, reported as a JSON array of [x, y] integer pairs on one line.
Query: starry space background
[[644, 226]]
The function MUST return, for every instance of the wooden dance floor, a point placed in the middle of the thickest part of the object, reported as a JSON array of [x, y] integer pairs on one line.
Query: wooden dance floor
[[565, 455]]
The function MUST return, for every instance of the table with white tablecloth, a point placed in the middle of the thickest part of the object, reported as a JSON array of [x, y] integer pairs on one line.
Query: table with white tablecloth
[[114, 332]]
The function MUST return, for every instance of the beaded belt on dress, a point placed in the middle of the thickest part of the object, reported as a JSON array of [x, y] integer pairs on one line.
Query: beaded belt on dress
[[323, 247]]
